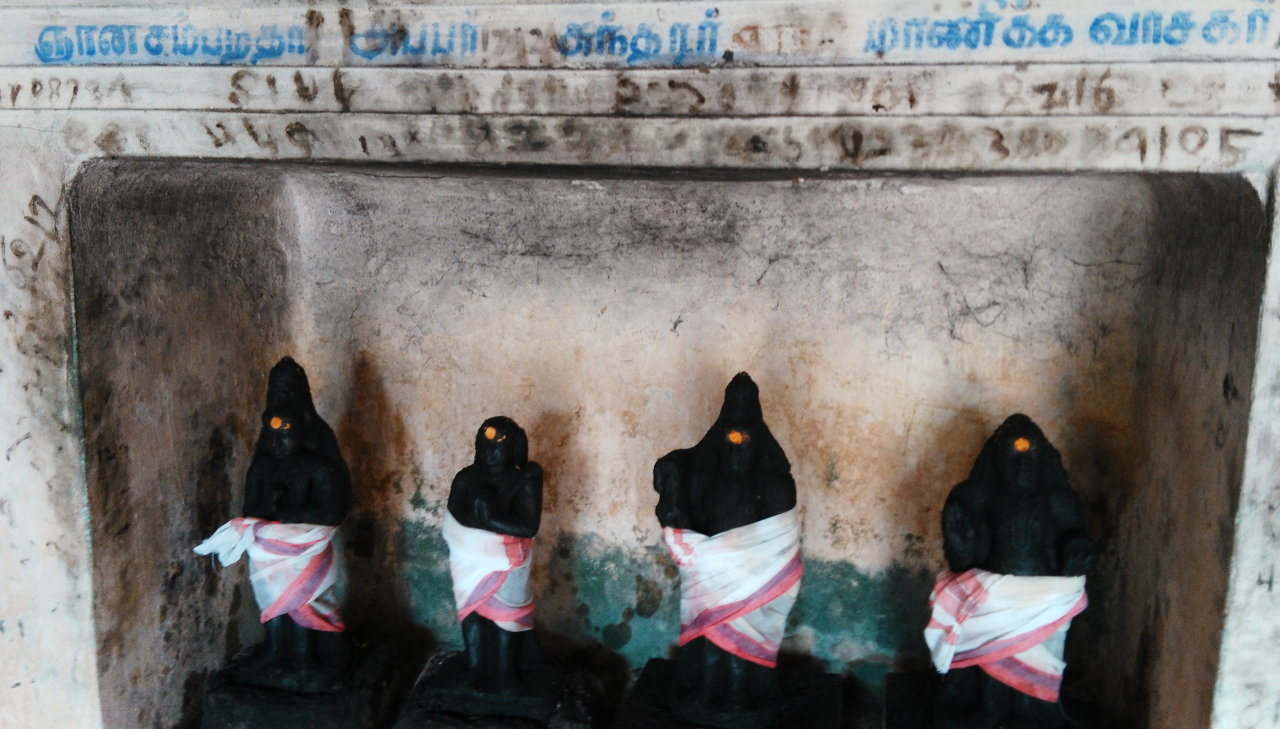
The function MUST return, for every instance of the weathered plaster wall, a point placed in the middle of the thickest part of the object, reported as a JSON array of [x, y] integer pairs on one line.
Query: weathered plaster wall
[[180, 300], [1169, 528], [889, 327], [1243, 696], [841, 95], [46, 620]]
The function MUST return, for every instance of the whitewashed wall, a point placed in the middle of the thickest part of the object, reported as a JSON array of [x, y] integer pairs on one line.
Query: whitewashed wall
[[885, 87]]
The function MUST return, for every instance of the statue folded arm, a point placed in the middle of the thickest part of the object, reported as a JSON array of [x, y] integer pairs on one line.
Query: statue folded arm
[[523, 513], [1076, 553], [667, 480], [966, 538]]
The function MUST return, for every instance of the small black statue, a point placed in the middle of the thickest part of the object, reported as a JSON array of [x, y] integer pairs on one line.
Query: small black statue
[[728, 508], [1015, 541], [297, 492], [495, 508]]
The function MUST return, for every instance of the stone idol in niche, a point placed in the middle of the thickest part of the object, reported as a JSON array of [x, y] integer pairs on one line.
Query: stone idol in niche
[[494, 511], [1017, 551], [730, 523], [297, 493]]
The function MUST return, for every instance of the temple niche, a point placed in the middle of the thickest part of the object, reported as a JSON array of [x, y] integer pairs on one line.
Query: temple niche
[[893, 321]]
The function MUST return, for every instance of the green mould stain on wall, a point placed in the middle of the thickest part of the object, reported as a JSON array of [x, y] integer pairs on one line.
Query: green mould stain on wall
[[858, 623]]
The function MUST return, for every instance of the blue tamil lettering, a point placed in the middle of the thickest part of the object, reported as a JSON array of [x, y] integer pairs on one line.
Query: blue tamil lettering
[[1178, 30], [1258, 21], [85, 45], [1221, 29], [54, 44], [611, 40], [186, 42], [239, 44], [270, 44], [1020, 32], [645, 44], [576, 41], [369, 44], [297, 40], [882, 36], [708, 35], [438, 48], [118, 39], [1055, 32], [154, 42], [470, 39]]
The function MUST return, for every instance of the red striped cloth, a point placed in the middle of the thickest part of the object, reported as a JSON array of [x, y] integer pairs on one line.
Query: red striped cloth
[[1012, 627], [737, 587], [291, 567], [490, 574]]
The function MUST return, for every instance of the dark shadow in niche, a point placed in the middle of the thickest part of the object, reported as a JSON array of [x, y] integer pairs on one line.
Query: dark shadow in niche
[[1168, 531], [178, 272], [372, 436]]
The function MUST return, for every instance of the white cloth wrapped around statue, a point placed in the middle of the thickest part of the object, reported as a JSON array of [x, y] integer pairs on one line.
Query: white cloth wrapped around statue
[[736, 587], [490, 574], [291, 567], [1012, 627]]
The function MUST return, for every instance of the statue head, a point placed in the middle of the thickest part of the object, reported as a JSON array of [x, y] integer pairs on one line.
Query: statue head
[[1019, 458], [289, 399], [500, 443], [741, 440], [287, 386]]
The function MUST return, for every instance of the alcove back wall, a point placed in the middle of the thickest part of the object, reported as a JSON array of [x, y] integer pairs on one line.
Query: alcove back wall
[[891, 323]]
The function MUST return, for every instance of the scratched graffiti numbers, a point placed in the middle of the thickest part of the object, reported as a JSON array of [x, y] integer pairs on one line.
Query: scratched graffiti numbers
[[31, 261], [247, 85], [1229, 144], [953, 144], [1086, 92], [887, 94], [21, 256], [66, 92]]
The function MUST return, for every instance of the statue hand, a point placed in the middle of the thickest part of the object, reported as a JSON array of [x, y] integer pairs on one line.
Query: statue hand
[[1079, 555], [482, 510], [274, 505]]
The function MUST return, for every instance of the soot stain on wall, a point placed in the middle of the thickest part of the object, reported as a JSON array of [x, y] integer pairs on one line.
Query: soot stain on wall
[[178, 307]]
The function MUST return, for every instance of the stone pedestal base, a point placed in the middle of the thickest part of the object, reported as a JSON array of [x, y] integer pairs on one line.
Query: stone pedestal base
[[909, 698], [812, 700], [360, 704], [442, 700]]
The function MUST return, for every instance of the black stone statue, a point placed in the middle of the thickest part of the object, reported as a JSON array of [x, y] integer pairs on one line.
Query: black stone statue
[[501, 494], [733, 483], [1016, 516], [297, 491], [297, 476]]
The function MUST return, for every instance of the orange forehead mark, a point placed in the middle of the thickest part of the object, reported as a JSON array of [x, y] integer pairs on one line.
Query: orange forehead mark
[[490, 432], [276, 422], [736, 437], [1022, 445]]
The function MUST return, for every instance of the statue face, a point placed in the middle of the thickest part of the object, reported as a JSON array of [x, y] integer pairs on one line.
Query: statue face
[[282, 436], [737, 455], [495, 448], [1019, 461]]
